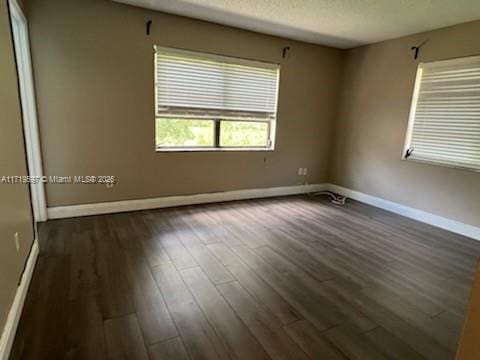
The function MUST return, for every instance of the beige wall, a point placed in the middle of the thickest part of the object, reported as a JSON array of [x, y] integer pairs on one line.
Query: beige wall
[[15, 210], [93, 69], [372, 122]]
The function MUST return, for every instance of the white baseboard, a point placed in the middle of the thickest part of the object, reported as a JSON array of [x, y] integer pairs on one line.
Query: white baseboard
[[59, 212], [416, 214], [8, 333]]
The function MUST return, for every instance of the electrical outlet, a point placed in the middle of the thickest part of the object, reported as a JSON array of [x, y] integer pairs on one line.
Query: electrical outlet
[[17, 241], [305, 170], [300, 171]]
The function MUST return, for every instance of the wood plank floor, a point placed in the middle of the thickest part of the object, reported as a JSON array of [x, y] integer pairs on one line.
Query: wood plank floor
[[281, 278]]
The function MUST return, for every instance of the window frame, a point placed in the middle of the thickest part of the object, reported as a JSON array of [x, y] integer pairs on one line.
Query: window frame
[[216, 137], [411, 120], [217, 120]]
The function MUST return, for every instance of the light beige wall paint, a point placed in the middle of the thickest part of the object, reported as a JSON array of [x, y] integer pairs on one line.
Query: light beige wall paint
[[93, 69], [15, 209], [372, 122]]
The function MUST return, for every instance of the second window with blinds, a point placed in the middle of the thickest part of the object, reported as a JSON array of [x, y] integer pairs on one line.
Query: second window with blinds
[[444, 127], [211, 102]]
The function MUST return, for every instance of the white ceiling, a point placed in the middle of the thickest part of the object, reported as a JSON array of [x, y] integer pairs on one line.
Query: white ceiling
[[338, 23]]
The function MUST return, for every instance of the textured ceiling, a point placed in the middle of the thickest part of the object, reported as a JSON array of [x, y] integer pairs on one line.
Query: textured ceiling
[[339, 23]]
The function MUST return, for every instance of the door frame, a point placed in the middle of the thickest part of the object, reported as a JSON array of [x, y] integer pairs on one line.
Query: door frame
[[21, 44]]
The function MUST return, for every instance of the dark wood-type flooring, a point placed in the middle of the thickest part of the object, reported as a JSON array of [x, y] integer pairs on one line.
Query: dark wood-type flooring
[[281, 278]]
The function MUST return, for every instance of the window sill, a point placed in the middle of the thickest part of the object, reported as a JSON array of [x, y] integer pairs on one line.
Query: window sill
[[252, 149], [435, 163]]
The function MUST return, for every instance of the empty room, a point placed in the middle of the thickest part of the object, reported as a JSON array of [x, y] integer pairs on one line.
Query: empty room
[[241, 179]]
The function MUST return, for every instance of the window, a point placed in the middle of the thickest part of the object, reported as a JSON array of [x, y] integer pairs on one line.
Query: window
[[444, 126], [212, 102]]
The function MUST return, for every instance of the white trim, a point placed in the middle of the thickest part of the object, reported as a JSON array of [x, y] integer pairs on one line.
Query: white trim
[[413, 110], [416, 214], [201, 55], [8, 333], [27, 96], [59, 212]]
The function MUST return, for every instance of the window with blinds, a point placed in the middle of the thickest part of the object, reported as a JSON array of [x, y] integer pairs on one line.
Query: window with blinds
[[205, 101], [444, 126]]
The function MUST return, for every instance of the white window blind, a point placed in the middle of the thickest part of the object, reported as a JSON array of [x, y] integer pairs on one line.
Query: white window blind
[[444, 123], [190, 84]]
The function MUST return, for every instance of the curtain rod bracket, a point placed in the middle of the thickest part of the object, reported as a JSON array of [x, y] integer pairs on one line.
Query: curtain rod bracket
[[416, 49], [149, 24], [286, 49]]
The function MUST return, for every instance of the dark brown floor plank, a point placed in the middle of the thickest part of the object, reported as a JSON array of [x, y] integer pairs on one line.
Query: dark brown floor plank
[[152, 313], [261, 291], [390, 346], [210, 264], [230, 280], [407, 311], [419, 340], [323, 308], [313, 342], [233, 332], [83, 275], [124, 339], [85, 339], [172, 349], [263, 325], [352, 345], [169, 241], [114, 292], [198, 336], [43, 327]]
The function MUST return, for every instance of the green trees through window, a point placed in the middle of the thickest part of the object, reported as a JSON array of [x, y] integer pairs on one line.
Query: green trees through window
[[195, 133], [239, 134], [171, 132]]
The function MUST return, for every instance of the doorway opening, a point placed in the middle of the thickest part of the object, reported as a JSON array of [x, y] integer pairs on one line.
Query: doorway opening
[[29, 109]]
